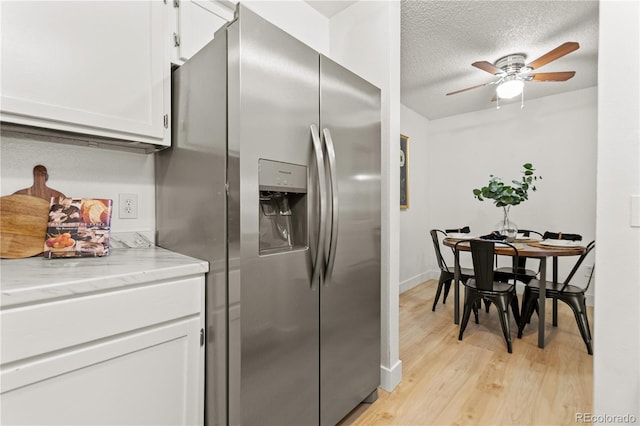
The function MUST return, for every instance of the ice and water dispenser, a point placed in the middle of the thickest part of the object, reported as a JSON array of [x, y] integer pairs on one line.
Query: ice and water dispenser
[[283, 206]]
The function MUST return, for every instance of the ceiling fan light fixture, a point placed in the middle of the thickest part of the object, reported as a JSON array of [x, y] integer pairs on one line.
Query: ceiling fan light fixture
[[510, 88]]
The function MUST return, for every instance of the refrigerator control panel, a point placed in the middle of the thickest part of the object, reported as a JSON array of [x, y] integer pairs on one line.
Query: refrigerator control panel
[[279, 176]]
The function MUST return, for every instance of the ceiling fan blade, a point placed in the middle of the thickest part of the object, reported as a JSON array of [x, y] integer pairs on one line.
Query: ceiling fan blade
[[552, 76], [488, 67], [556, 53], [468, 88]]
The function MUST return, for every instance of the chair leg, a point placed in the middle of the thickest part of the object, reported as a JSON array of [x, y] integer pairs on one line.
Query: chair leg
[[487, 303], [477, 305], [447, 287], [585, 325], [515, 308], [580, 312], [468, 303], [555, 311], [536, 309], [584, 311], [441, 281], [503, 310], [528, 305]]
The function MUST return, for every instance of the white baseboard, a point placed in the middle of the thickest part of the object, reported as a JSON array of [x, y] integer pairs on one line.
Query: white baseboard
[[390, 378], [418, 279]]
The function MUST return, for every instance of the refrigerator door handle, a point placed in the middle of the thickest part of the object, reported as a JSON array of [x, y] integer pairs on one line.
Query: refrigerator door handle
[[333, 214], [319, 258]]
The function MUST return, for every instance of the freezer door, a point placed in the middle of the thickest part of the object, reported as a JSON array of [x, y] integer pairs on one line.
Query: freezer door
[[350, 296], [274, 327]]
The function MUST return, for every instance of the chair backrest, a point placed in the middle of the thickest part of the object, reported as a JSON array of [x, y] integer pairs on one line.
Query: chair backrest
[[575, 268], [482, 255], [522, 262], [463, 230], [436, 246], [528, 232], [561, 236]]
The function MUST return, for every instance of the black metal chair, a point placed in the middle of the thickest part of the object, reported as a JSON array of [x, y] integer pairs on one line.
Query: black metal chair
[[483, 286], [525, 275], [554, 236], [446, 273], [572, 295], [561, 236], [463, 230]]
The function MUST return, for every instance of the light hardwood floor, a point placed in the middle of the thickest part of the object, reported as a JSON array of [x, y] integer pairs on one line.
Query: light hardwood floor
[[476, 381]]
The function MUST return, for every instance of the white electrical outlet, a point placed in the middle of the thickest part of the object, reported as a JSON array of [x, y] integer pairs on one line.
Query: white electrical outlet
[[128, 206]]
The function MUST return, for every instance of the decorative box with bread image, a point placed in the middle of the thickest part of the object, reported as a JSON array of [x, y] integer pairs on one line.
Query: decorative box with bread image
[[78, 227]]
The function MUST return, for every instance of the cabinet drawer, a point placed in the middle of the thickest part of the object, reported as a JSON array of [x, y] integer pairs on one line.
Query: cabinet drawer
[[37, 329]]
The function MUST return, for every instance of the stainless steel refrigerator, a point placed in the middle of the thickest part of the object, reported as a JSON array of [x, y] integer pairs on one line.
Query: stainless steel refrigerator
[[274, 178]]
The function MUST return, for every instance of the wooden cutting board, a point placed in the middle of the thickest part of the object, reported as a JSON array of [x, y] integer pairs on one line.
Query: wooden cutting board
[[39, 187], [23, 225]]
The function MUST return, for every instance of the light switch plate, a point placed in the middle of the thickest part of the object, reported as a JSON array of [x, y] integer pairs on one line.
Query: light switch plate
[[635, 211]]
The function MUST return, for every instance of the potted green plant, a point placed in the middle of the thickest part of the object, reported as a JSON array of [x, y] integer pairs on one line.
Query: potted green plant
[[506, 196]]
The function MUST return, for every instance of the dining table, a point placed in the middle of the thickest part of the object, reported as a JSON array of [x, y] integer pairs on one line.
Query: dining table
[[526, 248]]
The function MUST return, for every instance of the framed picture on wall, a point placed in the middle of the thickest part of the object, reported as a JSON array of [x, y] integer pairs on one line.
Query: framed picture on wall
[[404, 172]]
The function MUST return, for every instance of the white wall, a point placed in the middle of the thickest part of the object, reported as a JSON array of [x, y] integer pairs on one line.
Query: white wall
[[85, 172], [416, 249], [617, 320], [365, 38]]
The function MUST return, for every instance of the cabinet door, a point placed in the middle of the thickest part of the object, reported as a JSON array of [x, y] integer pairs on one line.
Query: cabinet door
[[93, 67], [150, 377], [197, 21]]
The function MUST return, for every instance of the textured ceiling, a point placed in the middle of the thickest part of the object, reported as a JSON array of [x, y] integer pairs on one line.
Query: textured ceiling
[[441, 39]]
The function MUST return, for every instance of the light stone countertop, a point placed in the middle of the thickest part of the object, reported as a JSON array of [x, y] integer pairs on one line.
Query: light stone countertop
[[37, 280]]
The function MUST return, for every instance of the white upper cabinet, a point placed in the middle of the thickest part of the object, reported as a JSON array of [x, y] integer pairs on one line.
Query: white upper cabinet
[[195, 22], [94, 67]]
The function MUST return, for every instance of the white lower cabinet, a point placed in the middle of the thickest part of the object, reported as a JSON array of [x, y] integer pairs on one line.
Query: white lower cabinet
[[129, 357]]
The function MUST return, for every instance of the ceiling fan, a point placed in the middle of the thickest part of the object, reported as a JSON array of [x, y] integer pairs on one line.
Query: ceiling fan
[[513, 72]]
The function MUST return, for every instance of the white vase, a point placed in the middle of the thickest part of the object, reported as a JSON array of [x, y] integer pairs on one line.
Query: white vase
[[506, 226]]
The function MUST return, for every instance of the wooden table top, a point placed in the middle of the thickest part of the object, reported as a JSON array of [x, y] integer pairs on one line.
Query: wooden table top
[[528, 248]]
